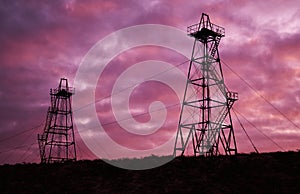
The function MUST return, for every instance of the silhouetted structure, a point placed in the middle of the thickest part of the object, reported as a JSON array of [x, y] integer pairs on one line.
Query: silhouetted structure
[[57, 143], [205, 115]]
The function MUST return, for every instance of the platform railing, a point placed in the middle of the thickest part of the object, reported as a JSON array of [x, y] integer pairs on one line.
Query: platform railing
[[197, 27]]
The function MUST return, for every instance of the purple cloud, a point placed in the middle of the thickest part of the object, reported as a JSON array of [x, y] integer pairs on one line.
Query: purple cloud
[[43, 41]]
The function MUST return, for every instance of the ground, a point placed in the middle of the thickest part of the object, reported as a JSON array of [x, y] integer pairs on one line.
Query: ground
[[245, 173]]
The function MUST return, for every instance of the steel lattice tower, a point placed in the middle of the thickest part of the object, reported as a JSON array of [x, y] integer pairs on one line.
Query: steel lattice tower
[[205, 114], [57, 143]]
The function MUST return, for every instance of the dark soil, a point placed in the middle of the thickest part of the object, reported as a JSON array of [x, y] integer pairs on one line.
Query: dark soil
[[254, 173]]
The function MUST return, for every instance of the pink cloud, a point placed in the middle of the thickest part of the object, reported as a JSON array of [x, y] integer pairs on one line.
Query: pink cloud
[[43, 41]]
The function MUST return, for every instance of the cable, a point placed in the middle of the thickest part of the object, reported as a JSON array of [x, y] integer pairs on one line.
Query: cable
[[141, 114], [25, 153], [35, 157], [117, 121], [28, 147], [257, 93], [124, 89], [86, 154], [18, 147], [15, 148], [12, 149], [17, 134], [97, 100], [245, 132], [261, 131]]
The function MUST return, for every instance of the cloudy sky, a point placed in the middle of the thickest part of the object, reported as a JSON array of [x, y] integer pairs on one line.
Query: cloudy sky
[[42, 41]]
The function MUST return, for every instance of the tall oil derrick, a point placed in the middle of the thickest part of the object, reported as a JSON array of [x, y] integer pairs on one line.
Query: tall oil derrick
[[57, 142], [205, 119]]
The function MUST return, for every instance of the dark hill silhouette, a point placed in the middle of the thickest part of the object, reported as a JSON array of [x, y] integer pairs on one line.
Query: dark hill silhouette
[[246, 173]]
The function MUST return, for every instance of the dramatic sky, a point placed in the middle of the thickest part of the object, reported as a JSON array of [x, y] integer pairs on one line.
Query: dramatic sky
[[42, 41]]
